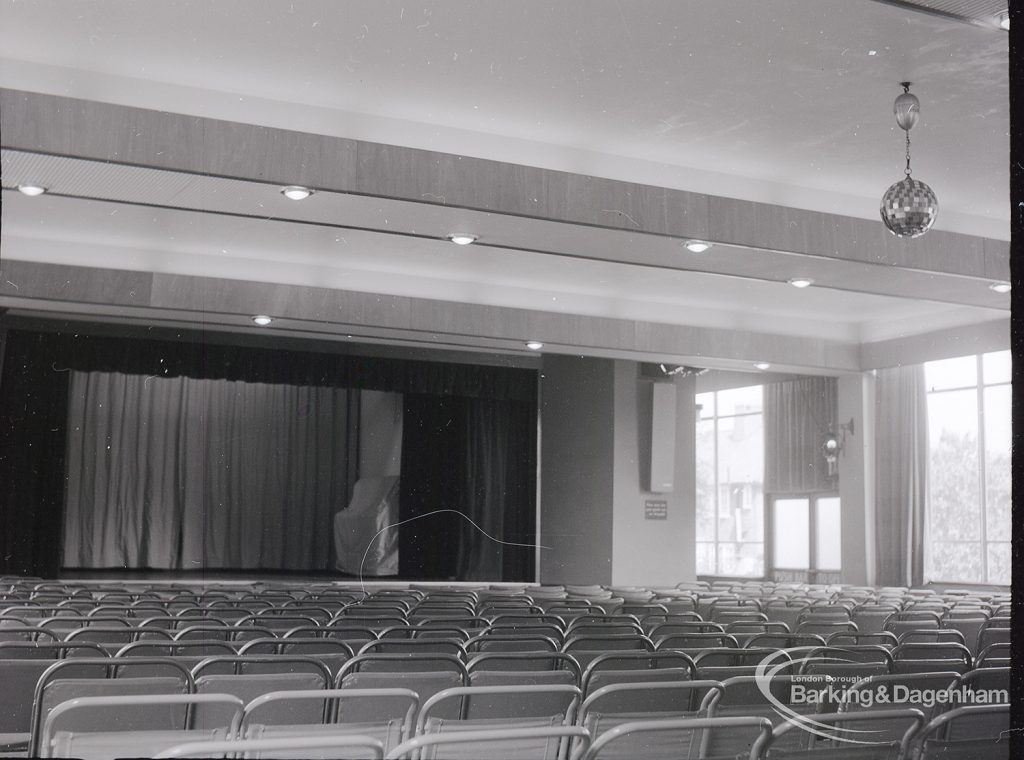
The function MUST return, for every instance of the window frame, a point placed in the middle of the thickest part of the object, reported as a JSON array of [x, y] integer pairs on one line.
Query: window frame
[[716, 542], [979, 387]]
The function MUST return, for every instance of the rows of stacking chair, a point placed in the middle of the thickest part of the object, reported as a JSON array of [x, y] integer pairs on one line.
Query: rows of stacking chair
[[427, 670]]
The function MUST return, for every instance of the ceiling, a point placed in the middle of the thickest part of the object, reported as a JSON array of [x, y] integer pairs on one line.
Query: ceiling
[[780, 101]]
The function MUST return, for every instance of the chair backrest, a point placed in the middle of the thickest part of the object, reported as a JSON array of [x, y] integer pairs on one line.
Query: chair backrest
[[297, 746], [994, 656], [895, 743], [664, 698], [963, 733], [882, 638], [682, 738], [524, 661], [546, 741], [127, 726], [497, 642], [508, 704], [414, 646], [72, 679]]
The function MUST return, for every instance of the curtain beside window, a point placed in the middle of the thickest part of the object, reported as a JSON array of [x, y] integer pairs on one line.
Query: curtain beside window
[[797, 415], [901, 475], [182, 473]]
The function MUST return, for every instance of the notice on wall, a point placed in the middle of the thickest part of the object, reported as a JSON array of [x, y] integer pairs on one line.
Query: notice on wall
[[655, 509]]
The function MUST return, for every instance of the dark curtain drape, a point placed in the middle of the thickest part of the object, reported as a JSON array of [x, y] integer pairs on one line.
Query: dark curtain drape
[[797, 415], [33, 415], [186, 474], [478, 458], [901, 475], [34, 390]]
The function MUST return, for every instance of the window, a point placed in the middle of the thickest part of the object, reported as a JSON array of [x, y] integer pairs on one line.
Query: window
[[730, 477], [806, 533], [969, 469]]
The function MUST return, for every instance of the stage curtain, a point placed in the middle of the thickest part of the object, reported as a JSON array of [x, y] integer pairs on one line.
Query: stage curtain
[[901, 475], [33, 412], [797, 415], [184, 473], [478, 458]]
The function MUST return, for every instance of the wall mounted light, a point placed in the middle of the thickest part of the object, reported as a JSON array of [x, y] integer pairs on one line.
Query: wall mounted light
[[534, 345], [462, 238], [262, 320], [832, 446], [1000, 287]]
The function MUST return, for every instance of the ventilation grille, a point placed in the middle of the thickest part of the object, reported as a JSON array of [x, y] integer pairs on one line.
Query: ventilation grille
[[979, 12]]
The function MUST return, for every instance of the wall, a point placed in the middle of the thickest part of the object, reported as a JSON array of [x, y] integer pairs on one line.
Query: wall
[[855, 400], [651, 552], [577, 447], [595, 449]]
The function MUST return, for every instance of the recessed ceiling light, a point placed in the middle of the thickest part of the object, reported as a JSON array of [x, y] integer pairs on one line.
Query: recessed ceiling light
[[262, 320], [296, 192], [1004, 19], [763, 365], [31, 190], [1000, 287], [462, 238], [534, 345], [696, 246], [800, 282], [872, 52]]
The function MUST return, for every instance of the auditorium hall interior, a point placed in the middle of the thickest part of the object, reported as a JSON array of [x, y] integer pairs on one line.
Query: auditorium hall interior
[[562, 379]]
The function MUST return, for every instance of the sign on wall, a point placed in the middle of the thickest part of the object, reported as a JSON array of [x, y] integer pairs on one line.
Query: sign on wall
[[655, 509]]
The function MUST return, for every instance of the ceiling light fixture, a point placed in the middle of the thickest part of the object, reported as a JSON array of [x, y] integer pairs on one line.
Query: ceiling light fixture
[[296, 192], [534, 345], [262, 320], [696, 246], [1000, 287], [31, 190], [763, 365], [909, 207], [1003, 17], [462, 238], [800, 282]]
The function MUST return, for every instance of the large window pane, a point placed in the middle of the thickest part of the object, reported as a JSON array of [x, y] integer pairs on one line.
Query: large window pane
[[792, 531], [997, 461], [740, 558], [961, 372], [705, 558], [706, 402], [828, 543], [999, 563], [706, 481], [740, 400], [955, 509], [957, 562], [740, 478], [997, 367], [730, 475]]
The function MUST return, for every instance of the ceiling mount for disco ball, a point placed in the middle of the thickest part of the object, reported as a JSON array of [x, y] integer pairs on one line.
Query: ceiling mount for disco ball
[[909, 206]]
